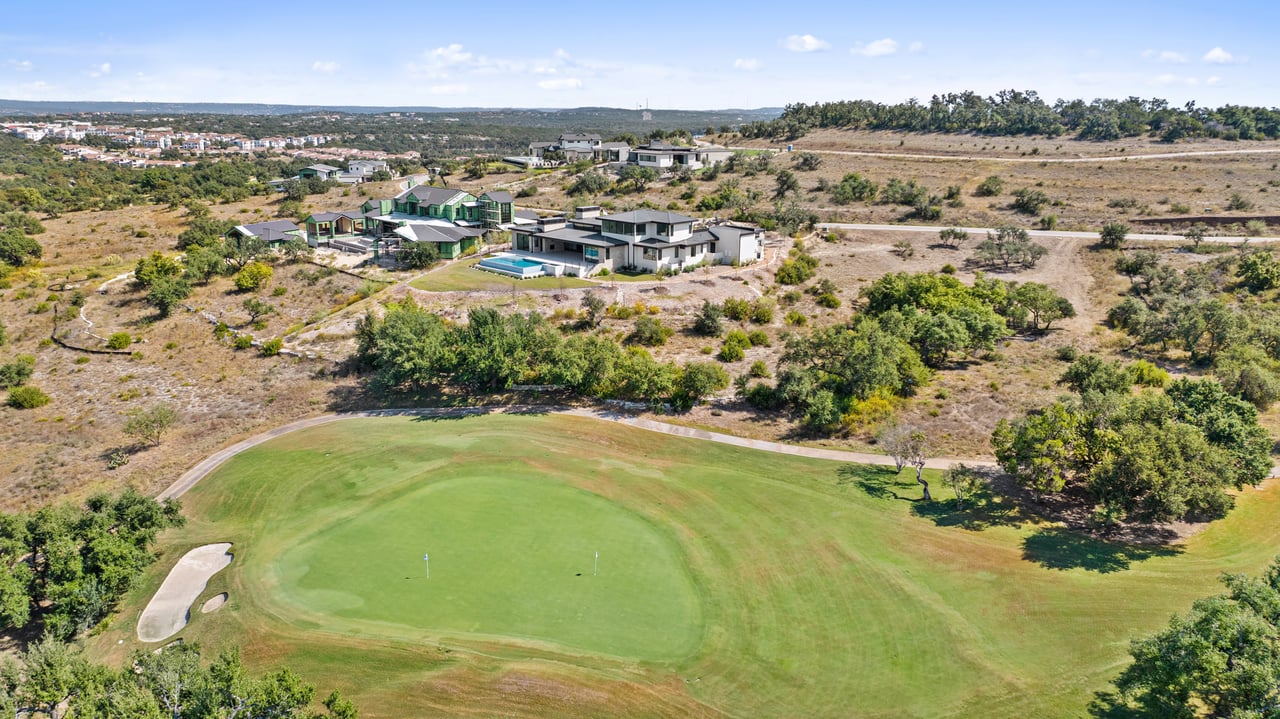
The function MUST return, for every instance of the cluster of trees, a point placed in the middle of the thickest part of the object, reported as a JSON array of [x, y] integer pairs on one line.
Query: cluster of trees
[[910, 324], [1193, 311], [63, 567], [168, 281], [1221, 659], [1151, 456], [37, 180], [1012, 112], [17, 247], [52, 679], [411, 348]]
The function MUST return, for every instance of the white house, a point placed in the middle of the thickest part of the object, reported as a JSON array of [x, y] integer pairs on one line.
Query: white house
[[666, 158], [644, 240]]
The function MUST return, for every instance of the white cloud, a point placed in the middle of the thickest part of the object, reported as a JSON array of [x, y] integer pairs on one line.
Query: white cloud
[[883, 46], [1213, 80], [327, 67], [1168, 79], [1218, 56], [449, 55], [804, 43], [560, 83], [1168, 56], [454, 89], [22, 65], [750, 64], [101, 70], [915, 47]]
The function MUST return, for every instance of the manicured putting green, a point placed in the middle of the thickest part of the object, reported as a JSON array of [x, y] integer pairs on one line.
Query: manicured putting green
[[510, 556]]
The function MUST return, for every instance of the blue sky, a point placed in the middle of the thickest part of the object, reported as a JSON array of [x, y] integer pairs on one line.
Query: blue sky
[[687, 55]]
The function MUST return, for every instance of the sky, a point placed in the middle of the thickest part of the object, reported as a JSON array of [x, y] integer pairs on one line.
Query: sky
[[661, 54]]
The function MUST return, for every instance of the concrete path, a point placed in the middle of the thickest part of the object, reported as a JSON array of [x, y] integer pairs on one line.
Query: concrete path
[[207, 465], [1037, 159], [170, 609], [982, 232]]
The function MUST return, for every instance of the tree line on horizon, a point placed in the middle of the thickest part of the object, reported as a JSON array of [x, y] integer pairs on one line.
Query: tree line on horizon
[[1014, 112]]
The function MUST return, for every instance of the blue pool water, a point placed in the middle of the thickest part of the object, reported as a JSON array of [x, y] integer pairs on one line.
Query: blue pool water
[[514, 262], [518, 266]]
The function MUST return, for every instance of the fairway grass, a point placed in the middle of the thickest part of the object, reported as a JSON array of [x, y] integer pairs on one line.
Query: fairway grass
[[732, 581], [512, 557]]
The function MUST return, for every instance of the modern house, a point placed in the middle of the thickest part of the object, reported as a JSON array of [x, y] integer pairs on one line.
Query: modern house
[[644, 240], [320, 172], [454, 220], [273, 232], [325, 227], [364, 169], [665, 157]]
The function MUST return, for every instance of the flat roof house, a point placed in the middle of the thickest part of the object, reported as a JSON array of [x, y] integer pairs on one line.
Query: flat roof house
[[644, 240], [666, 157]]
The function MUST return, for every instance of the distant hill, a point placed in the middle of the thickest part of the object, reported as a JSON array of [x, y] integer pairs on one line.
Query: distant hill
[[63, 107]]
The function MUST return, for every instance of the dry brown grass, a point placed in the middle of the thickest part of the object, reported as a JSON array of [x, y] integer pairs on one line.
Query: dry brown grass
[[1082, 190]]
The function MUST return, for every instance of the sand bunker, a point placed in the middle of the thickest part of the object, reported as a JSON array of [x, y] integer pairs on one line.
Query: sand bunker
[[170, 609], [214, 603]]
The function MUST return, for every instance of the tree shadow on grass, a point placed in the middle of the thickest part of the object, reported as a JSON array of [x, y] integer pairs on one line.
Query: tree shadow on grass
[[979, 511], [1063, 548], [1109, 704], [877, 481]]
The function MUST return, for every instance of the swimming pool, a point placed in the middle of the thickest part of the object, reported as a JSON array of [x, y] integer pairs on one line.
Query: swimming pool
[[512, 266]]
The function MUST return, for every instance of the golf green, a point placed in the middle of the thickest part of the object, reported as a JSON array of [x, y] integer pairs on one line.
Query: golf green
[[732, 582], [511, 556]]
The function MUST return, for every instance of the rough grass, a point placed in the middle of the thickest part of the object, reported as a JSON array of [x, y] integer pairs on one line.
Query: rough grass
[[825, 590]]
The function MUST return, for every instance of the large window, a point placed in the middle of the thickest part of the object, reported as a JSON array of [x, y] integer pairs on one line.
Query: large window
[[651, 253]]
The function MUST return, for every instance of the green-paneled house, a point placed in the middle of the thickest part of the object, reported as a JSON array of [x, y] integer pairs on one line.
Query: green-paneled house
[[454, 220]]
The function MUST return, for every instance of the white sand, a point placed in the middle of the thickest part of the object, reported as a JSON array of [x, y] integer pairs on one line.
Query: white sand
[[170, 609], [214, 603]]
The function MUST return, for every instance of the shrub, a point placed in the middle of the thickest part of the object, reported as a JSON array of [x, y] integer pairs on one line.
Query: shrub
[[990, 187], [762, 311], [758, 338], [708, 322], [1146, 374], [27, 397], [731, 352], [759, 369], [272, 347], [280, 291], [119, 340], [795, 318], [737, 309], [253, 276], [1029, 201], [242, 342], [17, 372], [650, 332], [1239, 202], [527, 191], [828, 300]]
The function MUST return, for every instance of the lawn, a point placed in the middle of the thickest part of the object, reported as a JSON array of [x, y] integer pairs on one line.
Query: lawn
[[463, 276], [731, 581]]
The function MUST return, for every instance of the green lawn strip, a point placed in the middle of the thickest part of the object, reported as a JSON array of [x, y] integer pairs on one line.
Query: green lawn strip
[[462, 275], [823, 589]]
